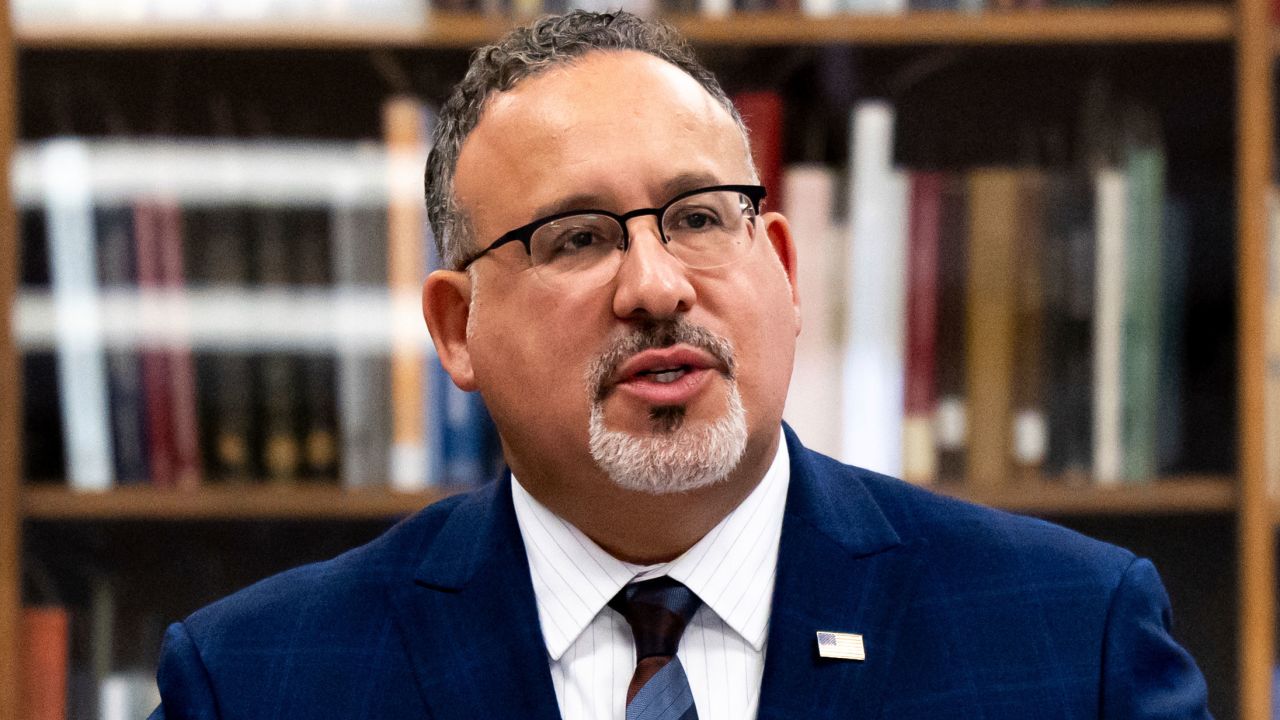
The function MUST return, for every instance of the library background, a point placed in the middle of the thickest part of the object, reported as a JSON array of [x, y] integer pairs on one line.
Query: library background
[[1039, 261]]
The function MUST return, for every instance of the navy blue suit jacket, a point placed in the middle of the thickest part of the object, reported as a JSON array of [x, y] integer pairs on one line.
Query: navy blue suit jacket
[[966, 612]]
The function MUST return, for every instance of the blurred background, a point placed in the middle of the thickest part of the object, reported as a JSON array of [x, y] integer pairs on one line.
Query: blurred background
[[1038, 251]]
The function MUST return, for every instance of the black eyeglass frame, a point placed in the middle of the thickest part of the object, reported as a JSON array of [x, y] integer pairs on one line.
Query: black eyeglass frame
[[524, 233]]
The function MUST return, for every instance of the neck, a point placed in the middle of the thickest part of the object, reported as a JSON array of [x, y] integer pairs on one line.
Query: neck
[[646, 529]]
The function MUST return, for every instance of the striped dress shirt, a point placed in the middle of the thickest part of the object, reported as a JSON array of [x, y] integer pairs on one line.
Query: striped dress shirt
[[590, 646]]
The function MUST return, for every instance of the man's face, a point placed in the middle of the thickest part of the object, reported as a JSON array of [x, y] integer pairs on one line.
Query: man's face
[[618, 131]]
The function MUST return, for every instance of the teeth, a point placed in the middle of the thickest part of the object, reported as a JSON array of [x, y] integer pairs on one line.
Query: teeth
[[668, 376]]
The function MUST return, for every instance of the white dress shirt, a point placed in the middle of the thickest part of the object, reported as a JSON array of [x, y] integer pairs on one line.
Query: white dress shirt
[[590, 646]]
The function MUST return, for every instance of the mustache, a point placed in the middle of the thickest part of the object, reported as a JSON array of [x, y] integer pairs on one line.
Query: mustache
[[652, 335]]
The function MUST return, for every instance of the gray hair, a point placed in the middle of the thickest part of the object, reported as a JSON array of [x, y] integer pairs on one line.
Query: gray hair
[[525, 52]]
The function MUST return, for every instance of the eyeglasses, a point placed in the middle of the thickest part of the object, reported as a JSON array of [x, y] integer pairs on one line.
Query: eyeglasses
[[704, 228]]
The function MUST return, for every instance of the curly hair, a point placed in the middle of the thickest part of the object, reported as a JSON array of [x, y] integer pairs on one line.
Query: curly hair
[[525, 52]]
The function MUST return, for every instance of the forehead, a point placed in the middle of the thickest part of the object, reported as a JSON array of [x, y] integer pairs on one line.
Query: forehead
[[616, 125]]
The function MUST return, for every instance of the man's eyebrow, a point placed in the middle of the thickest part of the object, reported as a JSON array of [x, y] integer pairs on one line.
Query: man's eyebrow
[[592, 201]]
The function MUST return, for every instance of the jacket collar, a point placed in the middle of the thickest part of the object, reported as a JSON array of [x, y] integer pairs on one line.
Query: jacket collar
[[470, 620]]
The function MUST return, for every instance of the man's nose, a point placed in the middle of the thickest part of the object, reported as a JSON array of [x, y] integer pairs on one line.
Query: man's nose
[[651, 281]]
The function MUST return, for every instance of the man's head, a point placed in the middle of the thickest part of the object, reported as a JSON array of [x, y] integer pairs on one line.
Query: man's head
[[645, 350]]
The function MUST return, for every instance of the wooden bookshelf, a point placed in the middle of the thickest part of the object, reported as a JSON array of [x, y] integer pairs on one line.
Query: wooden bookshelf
[[10, 393], [1244, 26], [1193, 23], [247, 502]]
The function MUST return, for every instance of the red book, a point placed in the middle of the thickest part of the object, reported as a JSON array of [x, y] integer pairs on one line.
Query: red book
[[762, 112], [155, 360], [924, 227], [45, 638], [182, 372]]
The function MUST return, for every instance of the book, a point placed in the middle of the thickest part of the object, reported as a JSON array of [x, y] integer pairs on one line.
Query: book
[[950, 420], [1067, 272], [278, 383], [318, 431], [45, 643], [1111, 223], [1140, 323], [1029, 430], [991, 305], [221, 241], [81, 356], [872, 404], [813, 399], [118, 273], [358, 237], [168, 370], [919, 447], [762, 112], [405, 135]]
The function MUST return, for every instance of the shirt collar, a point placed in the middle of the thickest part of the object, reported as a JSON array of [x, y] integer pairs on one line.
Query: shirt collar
[[732, 568]]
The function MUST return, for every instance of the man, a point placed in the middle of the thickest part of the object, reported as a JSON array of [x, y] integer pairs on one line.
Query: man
[[664, 547]]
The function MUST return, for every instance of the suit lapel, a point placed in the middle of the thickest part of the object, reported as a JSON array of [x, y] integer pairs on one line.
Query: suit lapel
[[843, 568], [469, 618]]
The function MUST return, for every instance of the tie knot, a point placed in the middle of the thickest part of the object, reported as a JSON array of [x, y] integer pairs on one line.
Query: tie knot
[[658, 611]]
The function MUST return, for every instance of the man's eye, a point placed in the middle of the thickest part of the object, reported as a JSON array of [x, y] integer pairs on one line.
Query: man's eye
[[577, 241], [696, 220]]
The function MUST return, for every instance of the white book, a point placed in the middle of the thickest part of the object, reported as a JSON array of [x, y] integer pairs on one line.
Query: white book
[[813, 401], [819, 8], [876, 280], [715, 8], [1111, 192], [82, 367], [128, 695]]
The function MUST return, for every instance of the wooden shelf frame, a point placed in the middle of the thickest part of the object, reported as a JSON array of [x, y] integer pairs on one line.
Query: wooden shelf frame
[[1245, 26], [231, 502], [1194, 23], [255, 502]]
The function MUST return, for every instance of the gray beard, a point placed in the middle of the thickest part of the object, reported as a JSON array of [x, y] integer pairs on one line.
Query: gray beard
[[678, 456]]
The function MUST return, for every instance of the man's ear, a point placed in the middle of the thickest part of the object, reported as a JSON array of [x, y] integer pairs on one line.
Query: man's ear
[[778, 230], [446, 305]]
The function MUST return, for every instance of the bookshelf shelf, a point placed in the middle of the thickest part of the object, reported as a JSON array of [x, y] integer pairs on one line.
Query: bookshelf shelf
[[1196, 23], [290, 502], [1164, 496]]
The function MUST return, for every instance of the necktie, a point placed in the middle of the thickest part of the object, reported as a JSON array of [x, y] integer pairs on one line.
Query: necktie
[[658, 611]]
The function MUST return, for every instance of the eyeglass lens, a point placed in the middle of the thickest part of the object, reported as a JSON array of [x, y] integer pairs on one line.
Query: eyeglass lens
[[704, 230]]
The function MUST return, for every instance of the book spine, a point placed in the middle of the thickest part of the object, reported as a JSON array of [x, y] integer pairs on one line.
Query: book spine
[[155, 360], [813, 400], [82, 371], [991, 304], [1141, 320], [358, 238], [1174, 261], [919, 457], [278, 376], [181, 365], [44, 667], [950, 420], [403, 129], [762, 111], [319, 429], [226, 387], [1029, 430], [124, 371], [1067, 269], [1109, 302], [872, 404]]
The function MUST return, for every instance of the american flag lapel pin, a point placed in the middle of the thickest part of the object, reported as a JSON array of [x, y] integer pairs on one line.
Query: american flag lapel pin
[[841, 646]]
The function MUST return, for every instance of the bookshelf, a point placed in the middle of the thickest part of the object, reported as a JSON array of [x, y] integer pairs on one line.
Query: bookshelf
[[1242, 499]]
